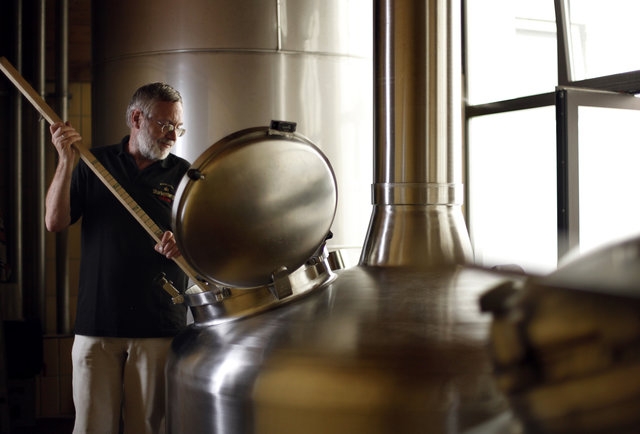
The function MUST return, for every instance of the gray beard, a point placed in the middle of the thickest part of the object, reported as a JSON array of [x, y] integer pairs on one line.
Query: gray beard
[[150, 149]]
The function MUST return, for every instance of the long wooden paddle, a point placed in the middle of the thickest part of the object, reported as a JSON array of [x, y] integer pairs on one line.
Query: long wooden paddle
[[100, 171]]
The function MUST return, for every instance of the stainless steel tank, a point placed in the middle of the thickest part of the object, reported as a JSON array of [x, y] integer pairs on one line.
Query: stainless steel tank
[[396, 344], [241, 63], [304, 348]]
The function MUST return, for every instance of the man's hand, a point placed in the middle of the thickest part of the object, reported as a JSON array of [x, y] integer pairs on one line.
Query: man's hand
[[63, 136], [167, 246]]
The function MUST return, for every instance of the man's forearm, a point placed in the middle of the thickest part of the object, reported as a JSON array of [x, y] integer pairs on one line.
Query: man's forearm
[[58, 200]]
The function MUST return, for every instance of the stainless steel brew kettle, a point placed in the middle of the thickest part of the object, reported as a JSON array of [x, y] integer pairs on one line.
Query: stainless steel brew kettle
[[286, 344]]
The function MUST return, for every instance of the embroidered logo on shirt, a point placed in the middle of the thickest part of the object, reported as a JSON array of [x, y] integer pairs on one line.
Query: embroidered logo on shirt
[[164, 192]]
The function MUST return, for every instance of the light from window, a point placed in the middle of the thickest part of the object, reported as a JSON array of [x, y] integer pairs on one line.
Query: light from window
[[512, 189], [609, 152], [604, 37], [511, 49]]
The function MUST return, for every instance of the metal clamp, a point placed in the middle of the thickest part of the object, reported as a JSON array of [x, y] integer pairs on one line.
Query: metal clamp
[[176, 297], [281, 286]]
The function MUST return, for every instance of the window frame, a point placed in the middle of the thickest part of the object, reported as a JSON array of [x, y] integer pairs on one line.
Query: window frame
[[568, 102]]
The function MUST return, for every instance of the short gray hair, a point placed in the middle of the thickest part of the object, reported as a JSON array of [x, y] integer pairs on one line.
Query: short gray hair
[[147, 95]]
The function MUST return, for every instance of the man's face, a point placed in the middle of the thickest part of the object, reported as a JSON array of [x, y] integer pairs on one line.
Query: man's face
[[154, 143]]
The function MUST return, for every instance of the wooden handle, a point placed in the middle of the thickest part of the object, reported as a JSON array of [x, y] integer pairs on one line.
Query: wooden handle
[[26, 89], [98, 169]]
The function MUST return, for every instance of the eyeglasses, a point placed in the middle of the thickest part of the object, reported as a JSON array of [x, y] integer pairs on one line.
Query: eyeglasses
[[167, 127]]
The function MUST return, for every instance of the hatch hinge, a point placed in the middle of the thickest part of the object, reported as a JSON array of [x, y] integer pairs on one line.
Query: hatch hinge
[[282, 128]]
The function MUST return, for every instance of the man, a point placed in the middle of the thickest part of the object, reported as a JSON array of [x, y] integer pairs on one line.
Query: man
[[124, 323]]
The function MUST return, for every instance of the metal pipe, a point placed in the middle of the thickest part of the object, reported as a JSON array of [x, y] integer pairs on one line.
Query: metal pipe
[[565, 74], [383, 93], [18, 205], [62, 89], [417, 194], [40, 172]]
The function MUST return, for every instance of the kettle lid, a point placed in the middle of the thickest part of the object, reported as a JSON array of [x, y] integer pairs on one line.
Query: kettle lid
[[257, 202]]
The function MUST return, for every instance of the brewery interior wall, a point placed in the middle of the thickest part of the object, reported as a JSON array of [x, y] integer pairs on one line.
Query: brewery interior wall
[[38, 401], [50, 391]]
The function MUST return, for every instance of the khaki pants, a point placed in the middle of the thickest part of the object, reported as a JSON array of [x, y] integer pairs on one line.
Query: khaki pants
[[114, 374]]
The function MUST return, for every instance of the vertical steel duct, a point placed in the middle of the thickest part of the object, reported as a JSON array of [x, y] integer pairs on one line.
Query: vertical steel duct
[[62, 89], [417, 192]]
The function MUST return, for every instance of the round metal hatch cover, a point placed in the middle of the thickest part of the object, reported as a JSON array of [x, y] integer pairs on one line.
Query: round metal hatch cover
[[253, 202]]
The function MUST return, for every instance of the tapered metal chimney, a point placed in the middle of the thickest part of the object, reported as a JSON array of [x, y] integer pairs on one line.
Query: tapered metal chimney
[[417, 192]]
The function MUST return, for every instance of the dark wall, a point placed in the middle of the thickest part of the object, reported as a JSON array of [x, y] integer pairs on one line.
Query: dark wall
[[79, 67]]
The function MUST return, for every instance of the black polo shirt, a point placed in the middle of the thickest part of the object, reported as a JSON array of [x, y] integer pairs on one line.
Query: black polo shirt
[[117, 295]]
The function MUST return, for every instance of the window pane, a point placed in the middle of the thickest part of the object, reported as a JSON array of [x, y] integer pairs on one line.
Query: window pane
[[609, 152], [511, 49], [604, 37], [512, 189]]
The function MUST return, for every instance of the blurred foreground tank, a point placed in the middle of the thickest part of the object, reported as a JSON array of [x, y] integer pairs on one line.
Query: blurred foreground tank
[[566, 347], [373, 351]]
